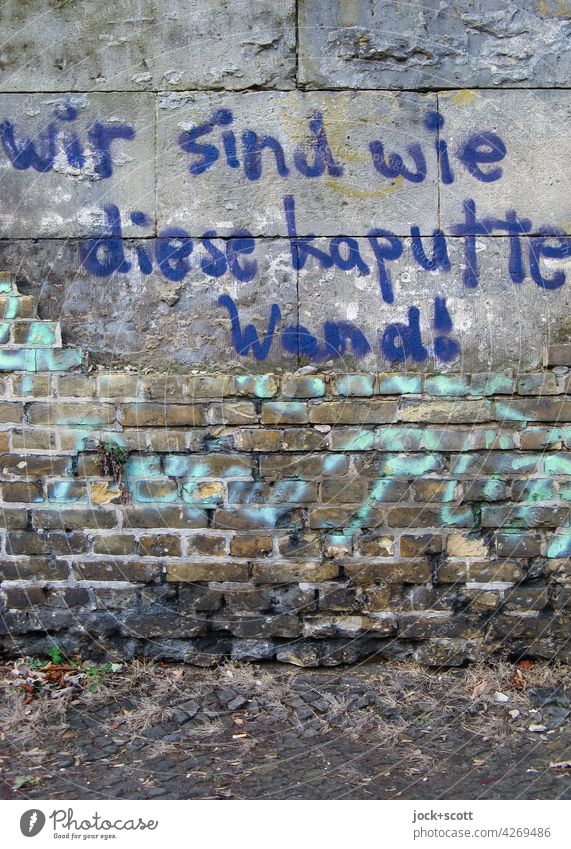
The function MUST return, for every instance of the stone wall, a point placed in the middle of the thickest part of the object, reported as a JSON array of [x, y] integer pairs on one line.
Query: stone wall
[[306, 264]]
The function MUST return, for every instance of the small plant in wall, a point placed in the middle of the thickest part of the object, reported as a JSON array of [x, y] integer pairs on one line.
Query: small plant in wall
[[112, 461]]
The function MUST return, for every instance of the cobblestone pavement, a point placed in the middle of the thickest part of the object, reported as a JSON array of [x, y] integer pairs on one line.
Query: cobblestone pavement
[[376, 731]]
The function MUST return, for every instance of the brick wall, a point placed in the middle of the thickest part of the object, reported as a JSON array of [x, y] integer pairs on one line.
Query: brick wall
[[309, 517]]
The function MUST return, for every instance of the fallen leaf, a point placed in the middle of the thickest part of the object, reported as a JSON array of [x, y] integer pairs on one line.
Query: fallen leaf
[[25, 781], [479, 689], [101, 494]]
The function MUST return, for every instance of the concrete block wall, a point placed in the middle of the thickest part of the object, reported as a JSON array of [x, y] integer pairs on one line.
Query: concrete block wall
[[308, 264]]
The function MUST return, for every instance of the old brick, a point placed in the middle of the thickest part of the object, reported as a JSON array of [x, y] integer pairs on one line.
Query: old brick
[[133, 571], [364, 572], [303, 439], [355, 385], [208, 544], [451, 385], [250, 546], [352, 439], [11, 413], [465, 545], [211, 570], [486, 383], [62, 544], [232, 413], [210, 385], [518, 544], [163, 415], [376, 545], [258, 385], [307, 467], [258, 440], [24, 597], [15, 518], [114, 544], [117, 385], [164, 387], [433, 490], [399, 384], [518, 516], [343, 490], [208, 466], [32, 440], [181, 516], [171, 626], [33, 569], [75, 386], [557, 355], [245, 518], [281, 572], [428, 517], [352, 412], [495, 463], [29, 465], [67, 491], [303, 386], [300, 544], [91, 415], [484, 490], [74, 518], [159, 545], [31, 385], [413, 545], [205, 493], [25, 542], [534, 410], [537, 384], [284, 412], [446, 412], [156, 491], [22, 491]]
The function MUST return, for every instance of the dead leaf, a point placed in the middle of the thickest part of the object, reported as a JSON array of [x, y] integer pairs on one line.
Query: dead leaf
[[101, 494], [479, 689], [25, 781]]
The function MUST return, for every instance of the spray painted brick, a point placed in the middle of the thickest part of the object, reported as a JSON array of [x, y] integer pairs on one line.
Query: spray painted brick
[[400, 438], [517, 516], [484, 490], [492, 439], [67, 491], [208, 466], [352, 412], [17, 306], [446, 412], [280, 572], [180, 516], [162, 415], [534, 410], [533, 490], [156, 491], [232, 412], [389, 490], [225, 570], [537, 384], [34, 385], [399, 384], [355, 385], [411, 465], [557, 464], [485, 383], [143, 466], [40, 412], [133, 571], [36, 333], [518, 544], [250, 545], [429, 517], [302, 386], [251, 518], [454, 385], [495, 463], [545, 437], [284, 412], [342, 517], [430, 490], [559, 546], [258, 385], [64, 359], [308, 467], [22, 359], [205, 493]]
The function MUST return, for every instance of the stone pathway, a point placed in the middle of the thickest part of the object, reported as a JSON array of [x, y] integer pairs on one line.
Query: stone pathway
[[376, 731]]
